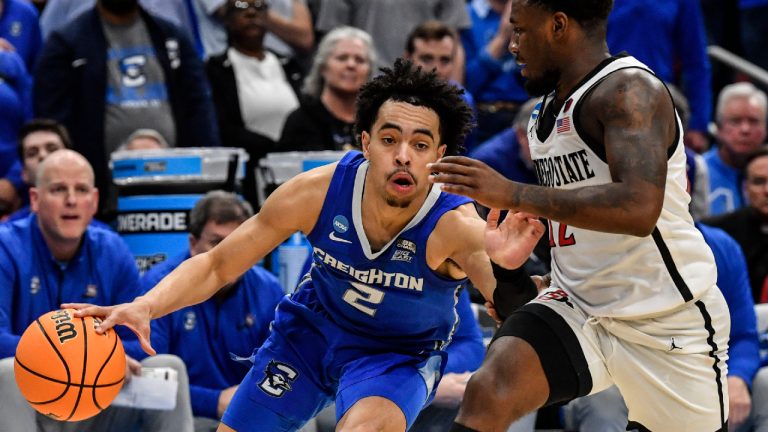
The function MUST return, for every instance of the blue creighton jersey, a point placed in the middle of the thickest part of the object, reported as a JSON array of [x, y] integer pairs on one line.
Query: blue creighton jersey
[[390, 295]]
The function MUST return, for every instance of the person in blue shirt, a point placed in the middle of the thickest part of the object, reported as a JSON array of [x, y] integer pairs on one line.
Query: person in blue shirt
[[234, 320], [15, 109], [54, 256], [676, 50], [19, 27], [366, 328], [741, 130], [492, 74]]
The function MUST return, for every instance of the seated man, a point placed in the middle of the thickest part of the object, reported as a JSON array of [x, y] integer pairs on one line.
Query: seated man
[[235, 320], [54, 256]]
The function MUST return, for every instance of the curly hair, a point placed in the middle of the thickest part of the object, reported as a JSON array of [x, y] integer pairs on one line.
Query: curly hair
[[406, 83], [590, 14]]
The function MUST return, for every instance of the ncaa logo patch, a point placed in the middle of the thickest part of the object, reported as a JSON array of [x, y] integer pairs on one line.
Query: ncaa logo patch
[[278, 377], [340, 224]]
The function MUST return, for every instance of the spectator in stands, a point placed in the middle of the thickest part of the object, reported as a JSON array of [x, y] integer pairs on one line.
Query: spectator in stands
[[234, 320], [19, 29], [85, 80], [749, 225], [288, 22], [325, 119], [144, 139], [607, 412], [492, 74], [253, 90], [434, 46], [37, 140], [507, 152], [675, 50], [390, 21], [741, 129], [15, 109], [54, 256], [59, 13]]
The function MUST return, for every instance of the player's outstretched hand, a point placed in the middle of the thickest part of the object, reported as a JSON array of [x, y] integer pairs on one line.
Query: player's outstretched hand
[[474, 179], [134, 315], [511, 242]]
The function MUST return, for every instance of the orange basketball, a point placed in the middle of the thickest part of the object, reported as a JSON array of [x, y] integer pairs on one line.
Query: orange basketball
[[65, 369]]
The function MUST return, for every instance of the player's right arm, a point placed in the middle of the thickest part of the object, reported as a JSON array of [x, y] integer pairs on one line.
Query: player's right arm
[[294, 206]]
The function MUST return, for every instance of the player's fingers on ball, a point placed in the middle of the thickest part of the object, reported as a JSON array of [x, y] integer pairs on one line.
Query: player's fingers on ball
[[76, 306]]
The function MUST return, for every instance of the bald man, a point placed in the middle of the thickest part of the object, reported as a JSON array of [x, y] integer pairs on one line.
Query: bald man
[[54, 256]]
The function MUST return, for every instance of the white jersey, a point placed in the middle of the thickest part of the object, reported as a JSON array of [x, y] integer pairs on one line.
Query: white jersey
[[617, 275]]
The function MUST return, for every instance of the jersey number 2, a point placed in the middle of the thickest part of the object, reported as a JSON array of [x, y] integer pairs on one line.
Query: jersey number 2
[[363, 293], [563, 239]]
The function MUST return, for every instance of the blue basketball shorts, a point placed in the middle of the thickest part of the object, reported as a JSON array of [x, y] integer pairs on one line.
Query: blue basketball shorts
[[308, 362]]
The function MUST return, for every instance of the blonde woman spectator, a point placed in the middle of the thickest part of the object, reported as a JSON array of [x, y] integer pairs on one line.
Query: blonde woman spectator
[[324, 121]]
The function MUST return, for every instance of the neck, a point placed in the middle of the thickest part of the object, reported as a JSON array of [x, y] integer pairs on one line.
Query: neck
[[383, 221], [579, 67], [112, 18], [62, 250], [250, 49], [733, 160], [341, 105]]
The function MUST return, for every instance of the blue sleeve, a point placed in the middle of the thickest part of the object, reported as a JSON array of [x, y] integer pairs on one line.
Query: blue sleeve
[[691, 49], [732, 278], [8, 280], [205, 401], [466, 351], [481, 70]]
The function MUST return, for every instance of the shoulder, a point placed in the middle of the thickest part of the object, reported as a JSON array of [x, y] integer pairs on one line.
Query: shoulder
[[717, 237], [630, 81], [21, 9], [457, 220]]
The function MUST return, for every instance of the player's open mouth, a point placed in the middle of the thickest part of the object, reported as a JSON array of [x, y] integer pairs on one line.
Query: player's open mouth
[[402, 181]]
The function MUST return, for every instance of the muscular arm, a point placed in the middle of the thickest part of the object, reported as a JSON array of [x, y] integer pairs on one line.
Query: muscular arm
[[293, 207], [631, 114]]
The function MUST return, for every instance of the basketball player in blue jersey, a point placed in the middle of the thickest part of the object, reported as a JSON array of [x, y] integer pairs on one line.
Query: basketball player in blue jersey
[[366, 326], [632, 300]]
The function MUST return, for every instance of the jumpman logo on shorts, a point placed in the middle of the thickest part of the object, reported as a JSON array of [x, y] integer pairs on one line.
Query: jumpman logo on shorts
[[673, 346]]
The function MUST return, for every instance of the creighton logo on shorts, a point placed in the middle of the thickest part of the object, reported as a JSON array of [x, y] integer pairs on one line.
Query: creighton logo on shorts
[[278, 377]]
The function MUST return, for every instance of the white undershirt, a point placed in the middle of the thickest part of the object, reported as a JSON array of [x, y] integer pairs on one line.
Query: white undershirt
[[264, 94]]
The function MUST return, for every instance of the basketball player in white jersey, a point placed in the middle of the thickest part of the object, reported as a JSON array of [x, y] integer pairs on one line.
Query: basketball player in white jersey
[[632, 299]]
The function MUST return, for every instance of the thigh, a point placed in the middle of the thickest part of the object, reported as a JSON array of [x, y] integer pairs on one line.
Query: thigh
[[282, 391], [405, 380], [568, 347], [672, 370]]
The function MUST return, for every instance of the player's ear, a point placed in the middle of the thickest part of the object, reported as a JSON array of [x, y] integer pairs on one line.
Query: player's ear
[[559, 24], [441, 150], [365, 141]]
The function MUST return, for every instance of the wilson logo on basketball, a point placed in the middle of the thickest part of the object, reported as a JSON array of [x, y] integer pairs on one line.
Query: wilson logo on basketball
[[65, 329]]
